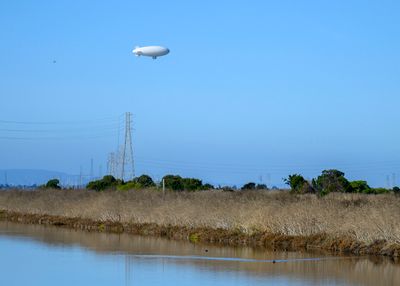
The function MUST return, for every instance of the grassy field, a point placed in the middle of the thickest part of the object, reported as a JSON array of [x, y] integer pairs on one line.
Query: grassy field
[[362, 218]]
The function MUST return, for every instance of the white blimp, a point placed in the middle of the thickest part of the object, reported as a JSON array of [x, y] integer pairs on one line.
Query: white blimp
[[151, 51]]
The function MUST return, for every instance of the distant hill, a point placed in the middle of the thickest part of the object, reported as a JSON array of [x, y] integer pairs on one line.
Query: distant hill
[[28, 177]]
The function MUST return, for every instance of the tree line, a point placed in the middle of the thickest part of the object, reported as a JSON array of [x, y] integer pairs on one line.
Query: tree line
[[329, 181], [171, 182], [332, 181]]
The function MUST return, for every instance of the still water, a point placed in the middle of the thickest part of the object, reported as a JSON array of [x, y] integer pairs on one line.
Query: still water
[[40, 255]]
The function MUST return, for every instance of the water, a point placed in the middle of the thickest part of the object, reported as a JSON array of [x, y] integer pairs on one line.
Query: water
[[40, 255]]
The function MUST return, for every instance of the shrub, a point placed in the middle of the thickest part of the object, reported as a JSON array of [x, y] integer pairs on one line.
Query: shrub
[[396, 190], [377, 191], [130, 185]]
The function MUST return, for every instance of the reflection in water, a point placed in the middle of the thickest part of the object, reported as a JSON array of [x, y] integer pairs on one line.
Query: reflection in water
[[135, 260], [193, 257]]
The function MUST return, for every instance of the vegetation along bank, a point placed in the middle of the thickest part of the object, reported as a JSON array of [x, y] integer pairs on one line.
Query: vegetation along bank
[[300, 219]]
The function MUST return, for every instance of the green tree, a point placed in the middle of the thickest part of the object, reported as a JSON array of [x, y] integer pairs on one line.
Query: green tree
[[53, 184], [331, 181], [107, 182], [145, 181], [360, 187], [173, 182], [295, 182]]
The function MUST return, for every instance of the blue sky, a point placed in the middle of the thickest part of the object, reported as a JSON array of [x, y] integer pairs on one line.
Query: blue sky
[[252, 90]]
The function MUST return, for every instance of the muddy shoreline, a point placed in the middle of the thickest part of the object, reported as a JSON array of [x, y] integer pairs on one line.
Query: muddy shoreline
[[339, 245]]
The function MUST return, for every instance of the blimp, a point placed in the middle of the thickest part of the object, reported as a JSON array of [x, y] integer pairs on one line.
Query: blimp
[[151, 51]]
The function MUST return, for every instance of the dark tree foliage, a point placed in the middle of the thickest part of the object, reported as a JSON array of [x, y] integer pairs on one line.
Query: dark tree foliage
[[108, 179], [377, 191], [177, 183], [145, 181], [53, 184], [360, 187], [249, 186], [141, 182], [173, 182], [331, 181], [208, 187], [396, 190], [191, 184], [107, 182], [261, 187]]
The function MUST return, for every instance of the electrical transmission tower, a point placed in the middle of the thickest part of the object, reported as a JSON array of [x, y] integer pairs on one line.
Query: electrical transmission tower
[[127, 164]]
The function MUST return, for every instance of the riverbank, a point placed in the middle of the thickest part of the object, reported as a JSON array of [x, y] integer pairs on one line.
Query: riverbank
[[345, 223]]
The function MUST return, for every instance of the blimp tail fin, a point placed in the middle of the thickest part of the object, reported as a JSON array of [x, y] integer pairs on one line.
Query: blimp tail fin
[[136, 52]]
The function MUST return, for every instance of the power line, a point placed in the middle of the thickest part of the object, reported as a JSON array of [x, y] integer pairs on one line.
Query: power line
[[84, 129], [115, 118], [104, 135], [75, 129], [225, 165]]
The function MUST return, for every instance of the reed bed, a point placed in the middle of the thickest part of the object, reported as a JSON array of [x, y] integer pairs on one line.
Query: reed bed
[[364, 218]]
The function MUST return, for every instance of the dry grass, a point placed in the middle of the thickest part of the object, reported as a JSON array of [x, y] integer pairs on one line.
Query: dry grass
[[365, 218]]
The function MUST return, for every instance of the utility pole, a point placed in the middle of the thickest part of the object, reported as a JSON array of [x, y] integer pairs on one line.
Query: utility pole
[[163, 188], [127, 151]]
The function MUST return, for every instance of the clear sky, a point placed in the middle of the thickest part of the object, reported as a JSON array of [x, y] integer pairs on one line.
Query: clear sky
[[252, 90]]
